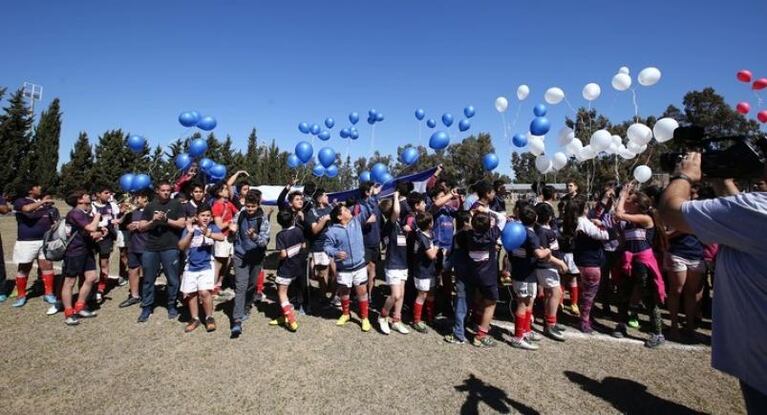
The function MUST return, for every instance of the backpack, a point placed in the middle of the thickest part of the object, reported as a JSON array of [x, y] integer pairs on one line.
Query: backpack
[[55, 240]]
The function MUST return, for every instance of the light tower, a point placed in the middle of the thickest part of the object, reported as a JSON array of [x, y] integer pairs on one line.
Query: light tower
[[33, 93]]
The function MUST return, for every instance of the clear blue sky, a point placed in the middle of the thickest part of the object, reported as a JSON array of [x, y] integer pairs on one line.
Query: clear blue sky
[[136, 65]]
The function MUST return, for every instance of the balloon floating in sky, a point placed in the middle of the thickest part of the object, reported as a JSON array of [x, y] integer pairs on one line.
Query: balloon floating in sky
[[303, 127], [345, 133], [501, 104], [126, 182], [304, 151], [447, 119], [329, 122], [439, 140], [519, 140], [183, 161], [409, 156], [207, 123], [189, 118], [490, 161], [318, 170], [469, 111], [621, 81], [759, 84], [522, 92], [744, 75], [198, 147], [419, 114], [331, 171], [743, 107], [431, 123], [540, 126], [649, 76], [324, 135], [354, 118], [314, 129], [206, 164], [591, 91], [554, 95], [141, 181], [464, 125], [136, 143], [539, 110], [642, 173], [664, 129], [762, 116], [326, 156], [293, 161], [377, 172], [364, 177]]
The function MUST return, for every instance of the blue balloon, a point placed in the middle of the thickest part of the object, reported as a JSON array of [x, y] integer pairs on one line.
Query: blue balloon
[[183, 161], [439, 140], [331, 171], [539, 110], [540, 126], [431, 123], [141, 181], [136, 143], [377, 172], [409, 156], [490, 161], [314, 129], [198, 147], [126, 182], [207, 123], [354, 118], [464, 125], [364, 177], [324, 135], [206, 164], [354, 134], [293, 161], [218, 171], [303, 127], [372, 113], [519, 140], [189, 119], [345, 133], [196, 116], [329, 122], [386, 178], [379, 117], [318, 170], [447, 119], [469, 111], [419, 114], [326, 156], [513, 235], [304, 151], [371, 120]]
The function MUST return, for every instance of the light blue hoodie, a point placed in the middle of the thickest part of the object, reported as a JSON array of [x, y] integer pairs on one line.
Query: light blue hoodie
[[349, 239]]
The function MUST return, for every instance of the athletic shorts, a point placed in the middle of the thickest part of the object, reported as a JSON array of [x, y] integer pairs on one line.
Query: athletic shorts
[[372, 254], [526, 288], [105, 247], [395, 276], [675, 263], [488, 291], [425, 284], [547, 277], [121, 238], [222, 249], [194, 281], [320, 259], [355, 278], [134, 260], [26, 252], [572, 269], [75, 266], [282, 280]]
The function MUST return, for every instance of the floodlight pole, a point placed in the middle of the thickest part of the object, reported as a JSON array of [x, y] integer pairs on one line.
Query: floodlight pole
[[34, 92]]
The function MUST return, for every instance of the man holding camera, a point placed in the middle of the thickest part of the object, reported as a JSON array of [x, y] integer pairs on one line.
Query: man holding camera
[[739, 224]]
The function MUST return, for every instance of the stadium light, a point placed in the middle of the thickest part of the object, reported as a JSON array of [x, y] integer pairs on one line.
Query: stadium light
[[33, 93]]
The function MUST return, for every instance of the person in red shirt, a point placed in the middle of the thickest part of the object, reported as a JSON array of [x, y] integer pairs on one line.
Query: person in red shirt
[[223, 215]]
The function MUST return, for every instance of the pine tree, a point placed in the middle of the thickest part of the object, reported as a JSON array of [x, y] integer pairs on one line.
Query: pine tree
[[44, 149], [113, 159], [76, 173], [15, 133], [252, 159]]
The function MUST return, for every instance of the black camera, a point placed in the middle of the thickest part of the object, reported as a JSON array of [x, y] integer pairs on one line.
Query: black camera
[[737, 157]]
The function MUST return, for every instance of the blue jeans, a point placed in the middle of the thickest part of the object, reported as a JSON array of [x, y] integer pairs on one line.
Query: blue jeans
[[150, 262], [461, 306]]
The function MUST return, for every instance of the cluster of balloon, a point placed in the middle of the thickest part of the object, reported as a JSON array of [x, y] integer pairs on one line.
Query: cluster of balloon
[[379, 173], [622, 79], [744, 107], [131, 182], [136, 143], [540, 124], [490, 161], [409, 155], [441, 139], [316, 130], [301, 155], [374, 116], [194, 118], [351, 131]]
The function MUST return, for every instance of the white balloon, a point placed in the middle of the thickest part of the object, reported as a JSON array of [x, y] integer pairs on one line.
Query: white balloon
[[591, 91], [624, 70], [621, 81], [554, 95], [649, 76], [559, 160], [642, 173], [664, 129], [501, 104], [617, 140], [522, 92], [600, 140], [574, 148], [612, 149], [636, 148], [566, 135], [588, 152], [639, 133], [542, 163], [535, 145], [626, 154]]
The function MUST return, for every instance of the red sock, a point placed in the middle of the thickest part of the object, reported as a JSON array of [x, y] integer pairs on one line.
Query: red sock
[[384, 312], [428, 306], [551, 320], [21, 285], [260, 282], [287, 311], [482, 332], [345, 305], [102, 285], [573, 295], [48, 282], [528, 321], [417, 309], [520, 325], [79, 306], [69, 312], [364, 308]]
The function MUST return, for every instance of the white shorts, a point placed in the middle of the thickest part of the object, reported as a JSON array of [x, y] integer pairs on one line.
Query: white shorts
[[222, 249], [526, 288], [395, 276], [425, 284], [193, 281], [26, 252], [283, 280], [675, 263], [547, 278], [320, 259], [572, 269], [349, 278], [120, 241]]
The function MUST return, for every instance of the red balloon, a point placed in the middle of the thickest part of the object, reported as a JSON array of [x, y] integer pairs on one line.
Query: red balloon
[[743, 107], [762, 116], [744, 75], [760, 83]]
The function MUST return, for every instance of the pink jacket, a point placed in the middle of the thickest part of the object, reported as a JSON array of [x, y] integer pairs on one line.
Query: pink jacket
[[647, 258]]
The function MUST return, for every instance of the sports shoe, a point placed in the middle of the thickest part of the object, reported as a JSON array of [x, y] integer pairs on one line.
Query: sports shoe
[[236, 330], [99, 296], [342, 320], [366, 325], [400, 327], [485, 341], [561, 327], [575, 310], [54, 308], [620, 331], [383, 323], [654, 341], [277, 321], [131, 300], [522, 343], [192, 325], [210, 324], [71, 321], [144, 316], [86, 313], [633, 323], [50, 299], [553, 333], [121, 281], [172, 313], [293, 326], [336, 301], [20, 302], [3, 297], [533, 336], [450, 338], [420, 327]]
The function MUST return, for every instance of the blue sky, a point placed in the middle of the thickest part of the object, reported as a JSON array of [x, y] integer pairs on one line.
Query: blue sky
[[270, 65]]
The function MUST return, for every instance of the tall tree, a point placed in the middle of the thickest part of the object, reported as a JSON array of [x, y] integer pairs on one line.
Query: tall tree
[[113, 159], [15, 133], [44, 148], [76, 173]]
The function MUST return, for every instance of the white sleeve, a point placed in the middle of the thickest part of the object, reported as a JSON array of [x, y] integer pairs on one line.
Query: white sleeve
[[739, 222], [591, 230]]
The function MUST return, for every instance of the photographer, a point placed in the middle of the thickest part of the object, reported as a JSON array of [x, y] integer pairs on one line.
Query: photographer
[[738, 223]]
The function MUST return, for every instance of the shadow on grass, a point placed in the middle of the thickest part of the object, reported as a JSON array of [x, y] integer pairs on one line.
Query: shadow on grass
[[497, 399], [627, 396]]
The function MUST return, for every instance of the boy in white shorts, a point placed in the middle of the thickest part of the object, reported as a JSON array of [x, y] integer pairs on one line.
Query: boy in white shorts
[[425, 269], [547, 271], [289, 242], [395, 266], [197, 240]]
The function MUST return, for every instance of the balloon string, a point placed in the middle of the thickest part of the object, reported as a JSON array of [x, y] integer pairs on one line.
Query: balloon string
[[516, 116], [419, 131], [372, 139], [570, 105], [759, 100], [636, 106], [505, 130]]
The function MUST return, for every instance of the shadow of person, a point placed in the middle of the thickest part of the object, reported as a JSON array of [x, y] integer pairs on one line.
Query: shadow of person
[[497, 399], [628, 396]]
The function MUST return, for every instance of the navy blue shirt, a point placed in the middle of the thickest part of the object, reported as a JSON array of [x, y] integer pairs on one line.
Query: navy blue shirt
[[459, 256], [137, 240], [290, 240], [395, 240], [523, 259], [549, 240], [424, 266], [483, 258], [686, 246], [371, 232], [312, 216]]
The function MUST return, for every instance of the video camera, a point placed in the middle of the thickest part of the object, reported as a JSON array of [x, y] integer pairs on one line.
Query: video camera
[[737, 157]]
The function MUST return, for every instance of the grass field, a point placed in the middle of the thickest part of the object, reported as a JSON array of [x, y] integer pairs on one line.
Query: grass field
[[111, 364]]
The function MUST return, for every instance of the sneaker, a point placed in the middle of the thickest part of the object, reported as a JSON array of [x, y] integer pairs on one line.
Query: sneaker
[[336, 301], [420, 327], [71, 321], [259, 297], [192, 325], [366, 325], [522, 343], [144, 316], [172, 313], [575, 310], [121, 282], [486, 341], [293, 326], [633, 323], [236, 330], [86, 313], [450, 338], [210, 324], [383, 324], [342, 320], [561, 327], [99, 296], [654, 341], [553, 333], [277, 321], [3, 297], [53, 309], [533, 336], [131, 300], [20, 302], [400, 327], [620, 331], [50, 299]]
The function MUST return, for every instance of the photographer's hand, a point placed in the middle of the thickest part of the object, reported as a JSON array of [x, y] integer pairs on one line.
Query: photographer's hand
[[690, 166]]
